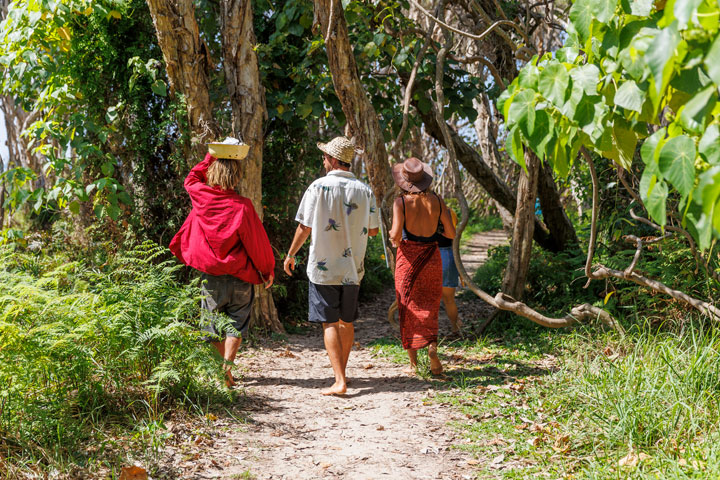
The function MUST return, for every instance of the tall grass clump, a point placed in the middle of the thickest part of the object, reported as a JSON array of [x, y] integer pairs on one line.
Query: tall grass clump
[[86, 346], [656, 393]]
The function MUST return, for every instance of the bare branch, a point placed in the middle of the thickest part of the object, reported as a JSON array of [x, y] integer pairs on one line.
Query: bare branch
[[411, 84], [470, 35]]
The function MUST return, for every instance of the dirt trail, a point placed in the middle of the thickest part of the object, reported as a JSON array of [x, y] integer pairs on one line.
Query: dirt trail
[[381, 429]]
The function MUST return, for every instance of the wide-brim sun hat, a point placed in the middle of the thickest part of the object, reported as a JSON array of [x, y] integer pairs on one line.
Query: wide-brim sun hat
[[340, 148], [231, 148], [412, 175]]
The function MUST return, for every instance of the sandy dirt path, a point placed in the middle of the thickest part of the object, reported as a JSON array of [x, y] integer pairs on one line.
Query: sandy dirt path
[[383, 427]]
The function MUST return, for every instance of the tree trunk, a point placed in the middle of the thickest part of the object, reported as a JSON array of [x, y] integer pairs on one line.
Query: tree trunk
[[553, 212], [247, 98], [521, 244], [360, 114], [186, 62]]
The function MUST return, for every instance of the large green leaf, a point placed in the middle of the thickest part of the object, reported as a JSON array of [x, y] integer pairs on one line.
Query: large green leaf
[[649, 150], [695, 113], [660, 56], [522, 111], [629, 96], [604, 10], [655, 202], [709, 146], [586, 77], [528, 76], [553, 83], [625, 142], [581, 15], [641, 8], [676, 149], [682, 176], [712, 61], [684, 9]]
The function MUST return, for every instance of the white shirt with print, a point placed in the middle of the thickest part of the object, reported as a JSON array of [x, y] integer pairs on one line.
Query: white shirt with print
[[340, 209]]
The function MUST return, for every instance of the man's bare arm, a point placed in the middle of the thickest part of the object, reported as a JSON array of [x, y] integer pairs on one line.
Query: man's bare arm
[[301, 234]]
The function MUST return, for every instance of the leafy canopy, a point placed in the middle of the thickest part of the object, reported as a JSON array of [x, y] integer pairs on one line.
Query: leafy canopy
[[631, 73]]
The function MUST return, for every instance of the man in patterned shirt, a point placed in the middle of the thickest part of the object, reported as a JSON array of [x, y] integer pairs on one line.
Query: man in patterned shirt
[[340, 212]]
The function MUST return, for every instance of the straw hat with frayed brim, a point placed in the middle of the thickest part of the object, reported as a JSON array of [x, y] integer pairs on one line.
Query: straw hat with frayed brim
[[340, 148], [412, 175], [225, 150]]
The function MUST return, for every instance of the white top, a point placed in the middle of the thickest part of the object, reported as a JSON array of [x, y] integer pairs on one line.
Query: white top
[[340, 209]]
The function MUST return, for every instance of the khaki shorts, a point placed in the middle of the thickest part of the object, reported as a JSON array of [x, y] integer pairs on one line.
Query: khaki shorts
[[226, 295]]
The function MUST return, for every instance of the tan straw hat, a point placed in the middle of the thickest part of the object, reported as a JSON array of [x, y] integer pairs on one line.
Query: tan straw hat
[[340, 148], [412, 175], [231, 148]]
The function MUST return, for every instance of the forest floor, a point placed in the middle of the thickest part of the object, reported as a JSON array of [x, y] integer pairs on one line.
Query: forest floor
[[386, 426]]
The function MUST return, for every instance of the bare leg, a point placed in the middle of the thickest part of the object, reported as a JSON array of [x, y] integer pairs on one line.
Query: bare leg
[[228, 349], [333, 345], [347, 337], [412, 369], [435, 366], [448, 298]]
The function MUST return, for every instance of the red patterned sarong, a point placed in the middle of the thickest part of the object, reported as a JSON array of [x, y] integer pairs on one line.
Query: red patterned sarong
[[418, 288]]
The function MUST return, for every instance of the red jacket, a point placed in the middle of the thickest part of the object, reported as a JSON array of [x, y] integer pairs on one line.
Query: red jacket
[[222, 235]]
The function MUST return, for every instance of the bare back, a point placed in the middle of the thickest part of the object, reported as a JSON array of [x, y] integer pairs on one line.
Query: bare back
[[422, 213]]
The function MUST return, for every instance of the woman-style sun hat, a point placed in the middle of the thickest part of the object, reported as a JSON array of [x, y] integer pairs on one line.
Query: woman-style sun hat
[[231, 148], [340, 148], [412, 175]]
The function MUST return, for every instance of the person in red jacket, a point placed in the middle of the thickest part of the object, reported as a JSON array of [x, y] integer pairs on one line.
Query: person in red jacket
[[224, 239]]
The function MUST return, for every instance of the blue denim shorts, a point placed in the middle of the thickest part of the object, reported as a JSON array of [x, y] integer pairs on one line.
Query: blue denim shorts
[[450, 273]]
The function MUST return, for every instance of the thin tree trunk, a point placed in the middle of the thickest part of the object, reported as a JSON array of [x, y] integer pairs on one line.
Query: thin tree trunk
[[247, 98], [360, 114], [186, 62], [521, 244]]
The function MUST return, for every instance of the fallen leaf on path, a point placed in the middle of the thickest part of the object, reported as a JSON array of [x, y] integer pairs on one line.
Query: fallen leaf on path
[[380, 427], [325, 465], [473, 462], [534, 441], [133, 473], [368, 366], [630, 460], [287, 353]]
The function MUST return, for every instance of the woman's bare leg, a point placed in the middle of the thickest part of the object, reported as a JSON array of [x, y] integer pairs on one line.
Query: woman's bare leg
[[448, 299], [435, 366]]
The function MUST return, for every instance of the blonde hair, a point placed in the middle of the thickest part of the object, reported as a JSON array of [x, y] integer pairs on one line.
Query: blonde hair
[[224, 173]]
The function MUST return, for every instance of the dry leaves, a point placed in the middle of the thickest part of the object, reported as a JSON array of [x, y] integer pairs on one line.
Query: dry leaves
[[133, 473]]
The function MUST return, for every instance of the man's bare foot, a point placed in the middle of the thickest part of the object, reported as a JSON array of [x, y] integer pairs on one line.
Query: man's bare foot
[[335, 389]]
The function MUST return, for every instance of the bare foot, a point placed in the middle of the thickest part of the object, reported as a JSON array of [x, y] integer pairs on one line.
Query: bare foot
[[455, 327], [229, 380], [335, 389], [435, 366]]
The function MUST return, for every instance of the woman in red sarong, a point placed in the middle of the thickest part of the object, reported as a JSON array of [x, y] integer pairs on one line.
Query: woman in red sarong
[[417, 213]]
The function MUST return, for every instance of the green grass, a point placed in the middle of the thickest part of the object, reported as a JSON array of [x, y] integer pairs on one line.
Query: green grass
[[584, 403]]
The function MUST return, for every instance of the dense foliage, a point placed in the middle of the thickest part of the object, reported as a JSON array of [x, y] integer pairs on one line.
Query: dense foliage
[[632, 71], [98, 337]]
